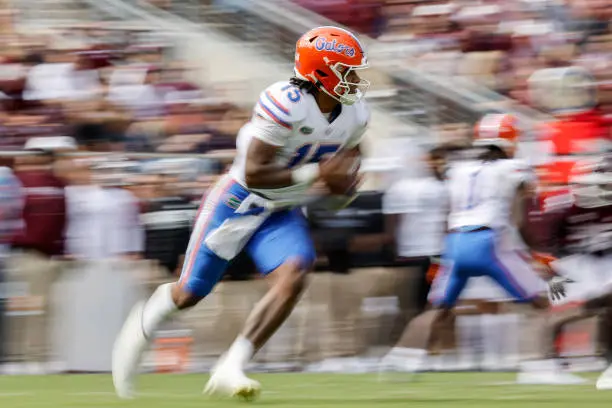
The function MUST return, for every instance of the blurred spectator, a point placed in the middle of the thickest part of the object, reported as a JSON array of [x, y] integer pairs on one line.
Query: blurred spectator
[[167, 221], [92, 137], [41, 239], [103, 217], [143, 98], [44, 209], [11, 208], [415, 212], [112, 91], [193, 126]]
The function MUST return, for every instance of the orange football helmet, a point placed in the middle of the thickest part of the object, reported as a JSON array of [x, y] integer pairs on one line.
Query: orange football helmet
[[328, 57], [497, 129]]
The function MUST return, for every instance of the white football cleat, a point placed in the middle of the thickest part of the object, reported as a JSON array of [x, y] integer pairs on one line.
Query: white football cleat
[[546, 372], [604, 382], [550, 378], [230, 381], [408, 362], [127, 353]]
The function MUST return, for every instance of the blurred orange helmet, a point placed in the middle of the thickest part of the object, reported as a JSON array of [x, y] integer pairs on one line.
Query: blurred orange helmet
[[497, 129], [326, 56]]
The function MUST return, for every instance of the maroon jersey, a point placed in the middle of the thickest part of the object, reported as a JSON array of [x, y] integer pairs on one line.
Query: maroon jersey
[[44, 212], [587, 230], [546, 217]]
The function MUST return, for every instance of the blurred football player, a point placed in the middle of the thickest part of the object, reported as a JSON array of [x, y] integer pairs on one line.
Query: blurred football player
[[304, 130], [486, 235], [585, 251]]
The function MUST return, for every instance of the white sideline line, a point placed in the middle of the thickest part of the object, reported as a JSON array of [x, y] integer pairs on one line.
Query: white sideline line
[[509, 383], [147, 394], [89, 394], [112, 394], [142, 394]]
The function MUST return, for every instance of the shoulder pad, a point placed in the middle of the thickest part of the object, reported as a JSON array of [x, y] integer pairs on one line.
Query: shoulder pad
[[513, 165], [521, 164], [282, 103], [520, 169]]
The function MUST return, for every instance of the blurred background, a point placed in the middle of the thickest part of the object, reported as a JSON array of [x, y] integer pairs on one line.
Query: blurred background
[[117, 115]]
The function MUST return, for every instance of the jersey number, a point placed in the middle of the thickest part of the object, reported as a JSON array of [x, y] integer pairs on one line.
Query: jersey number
[[294, 95], [473, 197], [312, 153]]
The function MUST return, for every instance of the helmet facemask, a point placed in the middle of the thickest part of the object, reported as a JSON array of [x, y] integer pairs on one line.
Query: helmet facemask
[[342, 92]]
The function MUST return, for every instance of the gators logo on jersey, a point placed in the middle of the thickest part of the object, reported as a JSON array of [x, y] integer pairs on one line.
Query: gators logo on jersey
[[306, 130]]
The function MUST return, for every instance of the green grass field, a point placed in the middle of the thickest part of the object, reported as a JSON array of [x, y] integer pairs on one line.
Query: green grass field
[[303, 390]]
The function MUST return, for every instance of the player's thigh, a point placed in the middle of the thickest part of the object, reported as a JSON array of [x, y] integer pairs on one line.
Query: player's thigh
[[202, 267], [447, 285], [283, 237], [452, 278], [513, 271], [457, 283]]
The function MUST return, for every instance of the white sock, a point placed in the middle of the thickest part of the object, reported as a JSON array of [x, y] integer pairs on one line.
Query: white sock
[[410, 359], [540, 366], [405, 352], [511, 338], [158, 308], [492, 338], [240, 353]]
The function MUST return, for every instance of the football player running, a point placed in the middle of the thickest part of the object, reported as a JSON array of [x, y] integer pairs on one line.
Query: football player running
[[585, 235], [486, 236], [304, 130]]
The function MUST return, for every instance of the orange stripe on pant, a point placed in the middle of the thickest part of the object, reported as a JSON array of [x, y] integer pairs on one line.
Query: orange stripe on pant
[[211, 201]]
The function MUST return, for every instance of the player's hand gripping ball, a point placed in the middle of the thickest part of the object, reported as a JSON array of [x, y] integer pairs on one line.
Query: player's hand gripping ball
[[340, 172]]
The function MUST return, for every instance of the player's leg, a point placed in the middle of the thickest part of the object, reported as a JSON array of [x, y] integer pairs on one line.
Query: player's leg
[[604, 267], [428, 327], [605, 331], [598, 297], [513, 271], [202, 269], [282, 248]]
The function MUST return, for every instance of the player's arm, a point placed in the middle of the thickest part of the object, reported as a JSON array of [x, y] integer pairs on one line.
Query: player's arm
[[556, 211], [261, 170], [525, 194]]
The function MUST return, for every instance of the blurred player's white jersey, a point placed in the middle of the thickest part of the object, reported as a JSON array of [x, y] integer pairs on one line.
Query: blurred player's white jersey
[[482, 192], [290, 118]]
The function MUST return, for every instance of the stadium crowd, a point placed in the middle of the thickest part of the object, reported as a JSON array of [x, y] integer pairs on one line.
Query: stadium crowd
[[498, 44], [109, 90]]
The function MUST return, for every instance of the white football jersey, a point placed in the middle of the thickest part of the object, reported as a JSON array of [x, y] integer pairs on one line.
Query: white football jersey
[[482, 192], [290, 118]]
